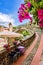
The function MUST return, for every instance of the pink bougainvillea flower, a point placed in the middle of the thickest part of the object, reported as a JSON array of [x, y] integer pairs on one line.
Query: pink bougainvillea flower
[[28, 4], [40, 17], [20, 10], [40, 14], [40, 11], [23, 12], [27, 16], [23, 6], [41, 23], [24, 15], [21, 17]]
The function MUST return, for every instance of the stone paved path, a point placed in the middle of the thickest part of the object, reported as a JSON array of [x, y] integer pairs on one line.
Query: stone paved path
[[37, 57], [30, 57]]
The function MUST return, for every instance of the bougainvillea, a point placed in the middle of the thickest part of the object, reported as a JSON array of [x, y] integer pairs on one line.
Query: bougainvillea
[[23, 12], [40, 14], [34, 7], [40, 17], [41, 23]]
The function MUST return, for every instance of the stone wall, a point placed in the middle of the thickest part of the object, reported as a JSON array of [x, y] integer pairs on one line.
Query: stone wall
[[4, 55]]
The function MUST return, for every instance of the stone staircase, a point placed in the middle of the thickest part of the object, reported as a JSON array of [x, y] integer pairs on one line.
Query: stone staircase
[[27, 52]]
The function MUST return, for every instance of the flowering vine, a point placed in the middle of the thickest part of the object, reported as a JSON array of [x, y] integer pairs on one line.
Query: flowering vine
[[35, 7], [23, 12]]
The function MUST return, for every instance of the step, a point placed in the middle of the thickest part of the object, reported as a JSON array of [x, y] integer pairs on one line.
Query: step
[[36, 59], [27, 52]]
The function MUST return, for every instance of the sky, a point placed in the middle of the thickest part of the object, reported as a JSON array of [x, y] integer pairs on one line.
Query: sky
[[8, 12]]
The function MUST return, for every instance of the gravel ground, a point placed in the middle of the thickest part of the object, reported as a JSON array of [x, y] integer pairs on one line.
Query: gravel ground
[[31, 55]]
